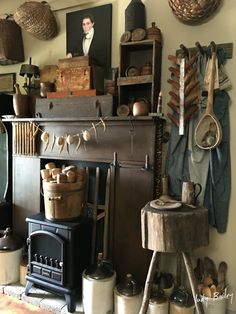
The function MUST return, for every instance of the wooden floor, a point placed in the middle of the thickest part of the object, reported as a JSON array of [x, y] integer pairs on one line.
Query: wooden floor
[[10, 305]]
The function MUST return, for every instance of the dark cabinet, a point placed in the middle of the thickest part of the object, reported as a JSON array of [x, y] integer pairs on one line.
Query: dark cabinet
[[133, 83]]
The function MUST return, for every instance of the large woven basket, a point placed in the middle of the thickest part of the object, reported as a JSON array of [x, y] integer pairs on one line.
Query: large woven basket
[[193, 11], [11, 44], [37, 19]]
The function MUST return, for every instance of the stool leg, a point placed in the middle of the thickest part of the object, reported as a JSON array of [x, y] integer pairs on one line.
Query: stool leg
[[192, 280], [179, 269], [148, 283]]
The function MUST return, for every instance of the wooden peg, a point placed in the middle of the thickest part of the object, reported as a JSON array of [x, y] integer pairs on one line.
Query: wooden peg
[[173, 119], [185, 51], [200, 48]]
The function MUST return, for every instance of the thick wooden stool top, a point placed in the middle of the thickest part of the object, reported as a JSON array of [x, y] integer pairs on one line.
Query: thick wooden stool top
[[182, 229]]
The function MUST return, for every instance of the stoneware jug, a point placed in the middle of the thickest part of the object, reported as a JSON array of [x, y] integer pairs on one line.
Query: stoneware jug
[[11, 248], [128, 296], [98, 283], [181, 302], [158, 303]]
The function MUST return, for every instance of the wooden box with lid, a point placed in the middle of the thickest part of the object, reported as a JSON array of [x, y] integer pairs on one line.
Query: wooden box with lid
[[79, 73]]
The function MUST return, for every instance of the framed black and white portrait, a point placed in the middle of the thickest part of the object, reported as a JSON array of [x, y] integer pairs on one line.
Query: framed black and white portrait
[[88, 32]]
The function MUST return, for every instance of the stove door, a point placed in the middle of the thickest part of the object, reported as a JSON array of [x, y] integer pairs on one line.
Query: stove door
[[47, 256]]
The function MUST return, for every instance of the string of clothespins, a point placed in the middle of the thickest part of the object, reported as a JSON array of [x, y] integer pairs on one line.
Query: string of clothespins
[[68, 138]]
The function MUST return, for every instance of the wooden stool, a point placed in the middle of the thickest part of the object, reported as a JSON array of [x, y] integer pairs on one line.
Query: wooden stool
[[181, 230]]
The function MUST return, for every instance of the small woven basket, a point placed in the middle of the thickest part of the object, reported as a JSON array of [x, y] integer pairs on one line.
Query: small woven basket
[[37, 19], [193, 11]]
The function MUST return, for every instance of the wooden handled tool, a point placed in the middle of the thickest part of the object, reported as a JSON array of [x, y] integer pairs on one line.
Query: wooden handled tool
[[208, 133]]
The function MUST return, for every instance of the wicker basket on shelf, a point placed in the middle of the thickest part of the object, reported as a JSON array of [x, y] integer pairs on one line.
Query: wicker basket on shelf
[[37, 19], [193, 11]]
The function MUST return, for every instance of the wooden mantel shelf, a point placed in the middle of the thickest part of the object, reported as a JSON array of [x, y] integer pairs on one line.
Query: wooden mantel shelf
[[65, 119], [132, 138]]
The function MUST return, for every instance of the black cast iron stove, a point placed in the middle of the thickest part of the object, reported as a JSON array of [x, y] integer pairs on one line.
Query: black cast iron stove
[[58, 254]]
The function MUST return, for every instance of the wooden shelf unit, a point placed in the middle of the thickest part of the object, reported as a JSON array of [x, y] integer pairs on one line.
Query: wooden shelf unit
[[138, 54]]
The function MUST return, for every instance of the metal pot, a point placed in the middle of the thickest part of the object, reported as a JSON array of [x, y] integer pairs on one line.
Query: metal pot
[[21, 105], [10, 257], [141, 107]]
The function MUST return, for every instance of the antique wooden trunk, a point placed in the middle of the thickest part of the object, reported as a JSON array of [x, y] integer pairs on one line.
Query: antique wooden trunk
[[74, 107]]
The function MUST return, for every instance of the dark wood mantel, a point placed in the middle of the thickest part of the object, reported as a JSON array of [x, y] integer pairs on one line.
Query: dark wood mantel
[[116, 138]]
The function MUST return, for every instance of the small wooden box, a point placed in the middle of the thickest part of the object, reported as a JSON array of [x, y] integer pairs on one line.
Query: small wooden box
[[80, 78], [74, 78]]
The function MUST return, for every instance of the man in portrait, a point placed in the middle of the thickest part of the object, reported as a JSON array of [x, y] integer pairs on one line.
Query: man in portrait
[[89, 33]]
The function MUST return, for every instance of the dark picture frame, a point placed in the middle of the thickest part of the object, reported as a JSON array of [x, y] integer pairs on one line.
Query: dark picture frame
[[7, 82], [102, 16]]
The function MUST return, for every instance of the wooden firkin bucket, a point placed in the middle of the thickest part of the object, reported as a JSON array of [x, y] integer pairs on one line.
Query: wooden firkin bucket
[[63, 201]]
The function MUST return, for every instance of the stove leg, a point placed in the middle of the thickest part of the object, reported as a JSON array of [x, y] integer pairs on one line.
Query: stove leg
[[70, 302], [28, 286]]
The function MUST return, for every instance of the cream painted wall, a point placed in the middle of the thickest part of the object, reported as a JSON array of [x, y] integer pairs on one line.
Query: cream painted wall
[[220, 28]]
